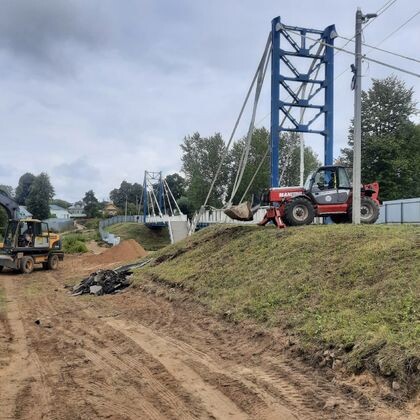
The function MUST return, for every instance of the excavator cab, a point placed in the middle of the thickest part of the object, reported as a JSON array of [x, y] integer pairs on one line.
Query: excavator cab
[[27, 233], [27, 242]]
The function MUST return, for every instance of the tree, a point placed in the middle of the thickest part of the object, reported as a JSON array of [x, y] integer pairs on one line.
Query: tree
[[289, 163], [127, 191], [176, 184], [7, 189], [390, 140], [258, 148], [24, 187], [290, 160], [200, 160], [185, 206], [62, 203], [40, 194], [91, 204]]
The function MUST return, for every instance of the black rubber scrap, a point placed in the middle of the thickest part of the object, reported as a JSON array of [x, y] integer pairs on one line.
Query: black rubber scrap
[[109, 281]]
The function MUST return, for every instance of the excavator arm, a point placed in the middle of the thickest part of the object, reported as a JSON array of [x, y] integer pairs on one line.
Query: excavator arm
[[10, 205]]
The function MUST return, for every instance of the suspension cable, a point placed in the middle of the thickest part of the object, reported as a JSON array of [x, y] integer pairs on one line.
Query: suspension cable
[[245, 153], [268, 43], [299, 90], [173, 198]]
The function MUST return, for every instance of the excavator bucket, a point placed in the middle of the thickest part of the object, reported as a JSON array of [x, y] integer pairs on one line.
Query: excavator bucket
[[243, 212]]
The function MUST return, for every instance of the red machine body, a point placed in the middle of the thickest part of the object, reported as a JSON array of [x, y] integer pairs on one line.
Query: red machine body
[[327, 193]]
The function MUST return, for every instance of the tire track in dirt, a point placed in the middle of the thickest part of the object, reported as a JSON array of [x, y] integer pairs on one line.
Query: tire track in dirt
[[177, 359], [22, 380], [110, 353]]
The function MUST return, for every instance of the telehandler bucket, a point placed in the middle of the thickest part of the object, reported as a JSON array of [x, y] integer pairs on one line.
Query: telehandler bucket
[[243, 212]]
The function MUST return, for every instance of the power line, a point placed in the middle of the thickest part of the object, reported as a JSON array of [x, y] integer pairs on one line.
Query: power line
[[387, 37], [399, 27], [319, 41], [382, 50], [379, 12]]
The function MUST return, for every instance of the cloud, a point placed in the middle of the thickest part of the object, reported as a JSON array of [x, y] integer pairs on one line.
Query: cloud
[[46, 32], [105, 89]]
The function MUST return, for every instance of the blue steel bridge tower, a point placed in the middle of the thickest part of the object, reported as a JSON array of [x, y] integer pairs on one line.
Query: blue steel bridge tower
[[295, 48]]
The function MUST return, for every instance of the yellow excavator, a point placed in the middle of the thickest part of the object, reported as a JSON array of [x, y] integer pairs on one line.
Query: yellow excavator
[[27, 242]]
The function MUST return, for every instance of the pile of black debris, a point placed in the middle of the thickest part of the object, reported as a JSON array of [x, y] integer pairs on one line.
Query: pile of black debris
[[103, 282]]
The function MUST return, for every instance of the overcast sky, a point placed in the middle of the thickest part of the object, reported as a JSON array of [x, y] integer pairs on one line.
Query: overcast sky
[[96, 91]]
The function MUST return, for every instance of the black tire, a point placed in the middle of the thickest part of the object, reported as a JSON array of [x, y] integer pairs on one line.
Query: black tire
[[298, 212], [27, 265], [52, 263], [369, 211], [340, 218], [1, 268]]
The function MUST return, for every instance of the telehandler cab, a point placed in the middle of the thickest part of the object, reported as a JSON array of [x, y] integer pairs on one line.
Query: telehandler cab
[[27, 242]]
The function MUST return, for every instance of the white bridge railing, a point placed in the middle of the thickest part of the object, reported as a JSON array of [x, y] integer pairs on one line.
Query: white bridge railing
[[218, 216], [165, 219]]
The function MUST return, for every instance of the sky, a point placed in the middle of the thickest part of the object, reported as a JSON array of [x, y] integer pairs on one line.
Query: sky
[[96, 92]]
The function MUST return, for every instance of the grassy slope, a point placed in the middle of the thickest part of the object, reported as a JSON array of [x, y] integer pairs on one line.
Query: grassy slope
[[149, 239], [352, 288]]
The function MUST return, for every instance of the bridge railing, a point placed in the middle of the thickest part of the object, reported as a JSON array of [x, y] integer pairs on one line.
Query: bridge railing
[[165, 219], [218, 216]]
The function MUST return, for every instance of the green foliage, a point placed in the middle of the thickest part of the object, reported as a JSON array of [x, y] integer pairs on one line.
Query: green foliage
[[91, 204], [7, 189], [200, 160], [24, 187], [289, 163], [40, 194], [259, 146], [364, 292], [131, 192], [390, 141], [185, 206], [74, 243], [149, 239], [62, 203], [176, 184]]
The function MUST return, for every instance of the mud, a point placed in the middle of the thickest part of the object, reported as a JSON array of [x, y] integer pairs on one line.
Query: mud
[[140, 355]]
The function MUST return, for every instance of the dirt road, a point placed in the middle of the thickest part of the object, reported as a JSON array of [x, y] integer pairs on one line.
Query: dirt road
[[138, 355]]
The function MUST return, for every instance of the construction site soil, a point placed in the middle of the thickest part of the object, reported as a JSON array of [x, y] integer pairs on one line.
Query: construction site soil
[[140, 355]]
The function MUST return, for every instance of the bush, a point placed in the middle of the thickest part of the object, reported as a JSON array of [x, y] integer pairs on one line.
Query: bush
[[74, 244]]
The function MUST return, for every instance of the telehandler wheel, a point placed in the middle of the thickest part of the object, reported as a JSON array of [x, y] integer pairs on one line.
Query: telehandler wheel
[[299, 211], [26, 265], [52, 263], [369, 211]]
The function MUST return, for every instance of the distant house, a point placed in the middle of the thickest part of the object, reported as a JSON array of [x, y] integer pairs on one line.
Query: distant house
[[59, 212], [23, 213], [110, 210], [77, 210]]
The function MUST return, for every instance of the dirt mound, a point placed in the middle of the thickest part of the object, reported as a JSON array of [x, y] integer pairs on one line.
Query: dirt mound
[[126, 251]]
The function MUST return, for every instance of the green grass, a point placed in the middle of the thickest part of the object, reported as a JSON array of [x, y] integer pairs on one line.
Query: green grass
[[353, 288], [149, 239]]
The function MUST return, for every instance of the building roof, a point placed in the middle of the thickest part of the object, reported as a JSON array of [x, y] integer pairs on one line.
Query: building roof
[[24, 213], [55, 207]]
